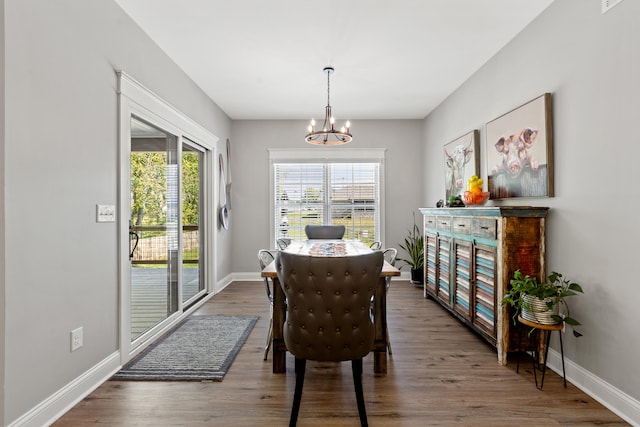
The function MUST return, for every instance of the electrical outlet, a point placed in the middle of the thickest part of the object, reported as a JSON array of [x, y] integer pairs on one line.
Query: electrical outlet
[[76, 339]]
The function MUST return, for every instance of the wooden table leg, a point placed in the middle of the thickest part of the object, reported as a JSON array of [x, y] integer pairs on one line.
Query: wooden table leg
[[279, 348], [380, 323]]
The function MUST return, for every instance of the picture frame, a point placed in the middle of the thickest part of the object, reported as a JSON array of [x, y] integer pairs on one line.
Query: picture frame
[[519, 151], [461, 162]]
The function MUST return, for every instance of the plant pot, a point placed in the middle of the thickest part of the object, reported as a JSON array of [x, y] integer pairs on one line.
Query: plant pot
[[417, 275], [536, 310]]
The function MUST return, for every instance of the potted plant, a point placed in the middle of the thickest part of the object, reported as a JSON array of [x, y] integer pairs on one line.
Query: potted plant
[[414, 247], [540, 302]]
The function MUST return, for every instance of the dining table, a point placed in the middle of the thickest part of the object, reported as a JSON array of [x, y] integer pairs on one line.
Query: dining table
[[331, 248]]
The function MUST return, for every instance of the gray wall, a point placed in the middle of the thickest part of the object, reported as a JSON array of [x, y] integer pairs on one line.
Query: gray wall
[[2, 203], [61, 160], [250, 215], [591, 63]]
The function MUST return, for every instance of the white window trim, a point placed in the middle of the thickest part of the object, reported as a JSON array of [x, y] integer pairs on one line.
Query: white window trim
[[326, 154], [302, 155]]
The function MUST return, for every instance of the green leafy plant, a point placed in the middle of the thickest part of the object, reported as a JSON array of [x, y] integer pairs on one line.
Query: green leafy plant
[[414, 247], [556, 288]]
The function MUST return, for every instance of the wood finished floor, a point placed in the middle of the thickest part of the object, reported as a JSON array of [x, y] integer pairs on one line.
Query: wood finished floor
[[440, 374]]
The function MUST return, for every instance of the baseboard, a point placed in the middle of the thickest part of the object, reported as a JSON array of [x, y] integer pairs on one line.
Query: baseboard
[[252, 276], [404, 275], [615, 400], [67, 397]]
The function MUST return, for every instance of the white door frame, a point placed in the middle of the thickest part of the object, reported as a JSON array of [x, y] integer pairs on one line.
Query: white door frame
[[135, 99]]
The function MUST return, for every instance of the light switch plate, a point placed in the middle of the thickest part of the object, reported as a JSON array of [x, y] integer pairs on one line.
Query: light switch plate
[[105, 213], [608, 4]]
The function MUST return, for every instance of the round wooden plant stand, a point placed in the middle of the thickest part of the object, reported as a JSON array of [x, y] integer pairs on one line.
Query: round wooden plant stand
[[546, 330]]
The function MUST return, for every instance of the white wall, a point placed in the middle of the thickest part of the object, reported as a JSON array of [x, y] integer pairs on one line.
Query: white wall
[[60, 144], [591, 64], [250, 214]]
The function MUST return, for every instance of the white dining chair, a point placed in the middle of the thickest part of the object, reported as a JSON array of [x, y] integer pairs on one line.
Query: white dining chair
[[265, 258], [390, 255]]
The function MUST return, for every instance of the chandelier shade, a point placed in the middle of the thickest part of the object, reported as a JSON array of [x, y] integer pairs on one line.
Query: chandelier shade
[[327, 134]]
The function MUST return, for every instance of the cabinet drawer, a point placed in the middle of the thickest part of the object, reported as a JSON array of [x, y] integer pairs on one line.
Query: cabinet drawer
[[481, 227], [461, 225], [444, 223], [430, 222]]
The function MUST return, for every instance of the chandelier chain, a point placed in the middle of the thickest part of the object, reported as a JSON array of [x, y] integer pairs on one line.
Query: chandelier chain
[[328, 88]]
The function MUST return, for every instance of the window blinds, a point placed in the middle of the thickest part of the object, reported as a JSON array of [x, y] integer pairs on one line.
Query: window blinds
[[327, 193]]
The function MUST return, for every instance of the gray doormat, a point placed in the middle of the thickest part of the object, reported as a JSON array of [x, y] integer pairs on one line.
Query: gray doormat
[[202, 348]]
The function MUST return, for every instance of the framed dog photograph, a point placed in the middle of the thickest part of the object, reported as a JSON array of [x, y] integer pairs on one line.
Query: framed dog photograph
[[519, 151], [461, 162]]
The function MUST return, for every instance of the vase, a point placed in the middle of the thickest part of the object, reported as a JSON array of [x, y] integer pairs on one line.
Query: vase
[[536, 310], [417, 275]]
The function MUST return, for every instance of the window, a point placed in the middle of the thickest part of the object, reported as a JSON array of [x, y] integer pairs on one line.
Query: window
[[340, 189]]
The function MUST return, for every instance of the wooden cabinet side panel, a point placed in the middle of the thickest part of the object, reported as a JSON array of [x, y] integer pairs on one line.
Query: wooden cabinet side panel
[[522, 246]]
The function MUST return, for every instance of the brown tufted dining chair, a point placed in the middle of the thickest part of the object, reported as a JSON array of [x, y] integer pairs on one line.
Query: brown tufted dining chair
[[329, 313]]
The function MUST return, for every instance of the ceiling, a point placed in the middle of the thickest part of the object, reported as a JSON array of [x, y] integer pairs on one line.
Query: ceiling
[[395, 59]]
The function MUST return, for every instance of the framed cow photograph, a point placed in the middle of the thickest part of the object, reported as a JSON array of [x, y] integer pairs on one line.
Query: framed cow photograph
[[519, 151], [461, 162]]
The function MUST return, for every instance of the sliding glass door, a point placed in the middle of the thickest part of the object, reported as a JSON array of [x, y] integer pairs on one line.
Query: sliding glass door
[[153, 226], [192, 222], [165, 227], [166, 243]]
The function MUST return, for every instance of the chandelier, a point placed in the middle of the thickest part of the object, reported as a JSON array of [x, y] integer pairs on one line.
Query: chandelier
[[328, 135]]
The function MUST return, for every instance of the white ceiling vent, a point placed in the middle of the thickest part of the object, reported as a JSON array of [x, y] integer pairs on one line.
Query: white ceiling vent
[[607, 5]]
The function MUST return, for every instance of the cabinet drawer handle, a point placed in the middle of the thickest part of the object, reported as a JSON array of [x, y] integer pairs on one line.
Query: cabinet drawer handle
[[484, 228]]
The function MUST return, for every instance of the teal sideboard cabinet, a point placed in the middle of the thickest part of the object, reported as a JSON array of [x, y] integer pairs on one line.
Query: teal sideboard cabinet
[[470, 256]]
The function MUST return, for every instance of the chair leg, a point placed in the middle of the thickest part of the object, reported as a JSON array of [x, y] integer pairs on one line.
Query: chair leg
[[389, 343], [300, 368], [387, 331], [269, 338], [356, 367]]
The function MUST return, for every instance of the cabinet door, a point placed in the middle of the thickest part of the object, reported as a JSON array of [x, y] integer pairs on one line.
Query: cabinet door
[[430, 261], [462, 277], [484, 312], [443, 274]]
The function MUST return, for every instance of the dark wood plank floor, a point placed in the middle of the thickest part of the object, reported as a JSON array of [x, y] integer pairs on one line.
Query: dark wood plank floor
[[440, 374]]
